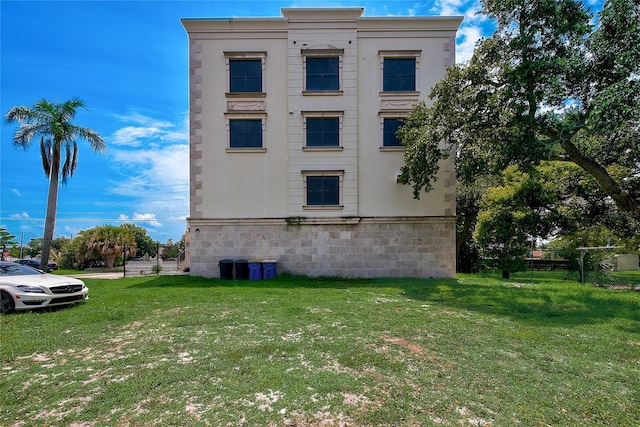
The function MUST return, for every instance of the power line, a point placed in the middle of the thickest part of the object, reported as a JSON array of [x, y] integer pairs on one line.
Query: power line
[[58, 219]]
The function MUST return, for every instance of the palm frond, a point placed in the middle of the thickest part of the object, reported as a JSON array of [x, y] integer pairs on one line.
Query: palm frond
[[66, 167], [18, 114], [91, 136], [70, 108], [53, 121], [45, 154], [44, 106], [74, 161], [25, 133], [71, 159]]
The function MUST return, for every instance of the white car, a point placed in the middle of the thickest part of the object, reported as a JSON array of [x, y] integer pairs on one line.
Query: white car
[[25, 288]]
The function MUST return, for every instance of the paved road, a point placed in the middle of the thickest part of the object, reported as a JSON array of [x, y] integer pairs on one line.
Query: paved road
[[115, 275]]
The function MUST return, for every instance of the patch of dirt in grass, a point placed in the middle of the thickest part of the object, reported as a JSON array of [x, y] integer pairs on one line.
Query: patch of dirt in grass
[[353, 399], [417, 350], [321, 418], [519, 284], [413, 347], [469, 420], [65, 407], [265, 401]]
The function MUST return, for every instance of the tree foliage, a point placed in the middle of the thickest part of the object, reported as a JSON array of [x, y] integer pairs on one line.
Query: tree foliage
[[58, 139], [543, 86], [6, 240], [173, 249], [106, 243], [145, 245], [516, 212]]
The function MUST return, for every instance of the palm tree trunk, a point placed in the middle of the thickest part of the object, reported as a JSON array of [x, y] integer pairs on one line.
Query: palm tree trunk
[[52, 206]]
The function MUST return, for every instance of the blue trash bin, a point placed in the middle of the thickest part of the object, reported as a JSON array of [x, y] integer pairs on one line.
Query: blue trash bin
[[269, 267], [255, 269]]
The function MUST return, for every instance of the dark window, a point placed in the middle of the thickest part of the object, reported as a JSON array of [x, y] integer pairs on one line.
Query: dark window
[[245, 75], [323, 74], [399, 74], [245, 133], [323, 132], [391, 126], [323, 190]]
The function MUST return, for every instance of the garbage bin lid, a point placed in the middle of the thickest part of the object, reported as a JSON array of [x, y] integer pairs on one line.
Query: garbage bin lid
[[271, 261]]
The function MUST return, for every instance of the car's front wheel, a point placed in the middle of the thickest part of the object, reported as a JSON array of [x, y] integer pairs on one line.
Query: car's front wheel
[[6, 302]]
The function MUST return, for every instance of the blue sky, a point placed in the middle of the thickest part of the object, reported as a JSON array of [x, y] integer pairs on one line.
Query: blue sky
[[127, 60]]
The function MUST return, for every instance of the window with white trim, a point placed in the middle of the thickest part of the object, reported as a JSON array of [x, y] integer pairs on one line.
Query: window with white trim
[[322, 70], [390, 122], [399, 70], [322, 129], [390, 128], [246, 72], [323, 189], [245, 132]]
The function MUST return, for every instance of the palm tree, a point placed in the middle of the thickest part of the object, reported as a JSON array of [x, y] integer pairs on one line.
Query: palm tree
[[53, 122]]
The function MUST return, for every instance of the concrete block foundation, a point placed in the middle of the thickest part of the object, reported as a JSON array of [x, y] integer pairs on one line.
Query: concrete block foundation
[[344, 247]]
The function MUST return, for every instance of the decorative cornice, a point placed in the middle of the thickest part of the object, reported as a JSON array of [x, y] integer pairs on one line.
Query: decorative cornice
[[199, 221], [238, 105]]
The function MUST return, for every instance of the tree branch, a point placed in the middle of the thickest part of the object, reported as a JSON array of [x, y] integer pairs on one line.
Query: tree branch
[[622, 199]]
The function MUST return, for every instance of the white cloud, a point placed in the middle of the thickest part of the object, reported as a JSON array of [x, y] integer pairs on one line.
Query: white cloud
[[155, 164], [451, 7], [141, 119], [143, 129], [133, 136], [147, 218], [466, 43], [16, 192], [474, 26], [22, 215]]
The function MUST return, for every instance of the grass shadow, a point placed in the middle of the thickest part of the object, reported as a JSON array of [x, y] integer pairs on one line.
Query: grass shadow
[[545, 304], [549, 302]]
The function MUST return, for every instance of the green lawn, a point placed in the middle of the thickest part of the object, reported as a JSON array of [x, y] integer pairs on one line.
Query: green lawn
[[292, 351]]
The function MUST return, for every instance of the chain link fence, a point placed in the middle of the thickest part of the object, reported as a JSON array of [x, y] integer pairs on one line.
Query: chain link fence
[[606, 266]]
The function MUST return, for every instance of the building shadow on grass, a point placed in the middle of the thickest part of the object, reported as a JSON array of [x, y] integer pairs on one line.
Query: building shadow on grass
[[539, 304]]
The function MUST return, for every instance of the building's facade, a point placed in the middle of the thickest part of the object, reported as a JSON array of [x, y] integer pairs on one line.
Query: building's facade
[[293, 154]]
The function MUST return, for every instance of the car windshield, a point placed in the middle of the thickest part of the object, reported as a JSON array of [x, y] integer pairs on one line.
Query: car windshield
[[17, 270]]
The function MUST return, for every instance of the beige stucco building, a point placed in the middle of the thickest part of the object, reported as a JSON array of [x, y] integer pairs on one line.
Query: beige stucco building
[[293, 154]]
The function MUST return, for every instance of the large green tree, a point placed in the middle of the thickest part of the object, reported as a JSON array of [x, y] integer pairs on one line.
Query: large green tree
[[515, 213], [53, 122], [106, 243], [145, 245], [546, 85]]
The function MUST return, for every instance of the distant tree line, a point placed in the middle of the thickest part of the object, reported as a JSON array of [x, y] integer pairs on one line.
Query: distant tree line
[[102, 246]]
